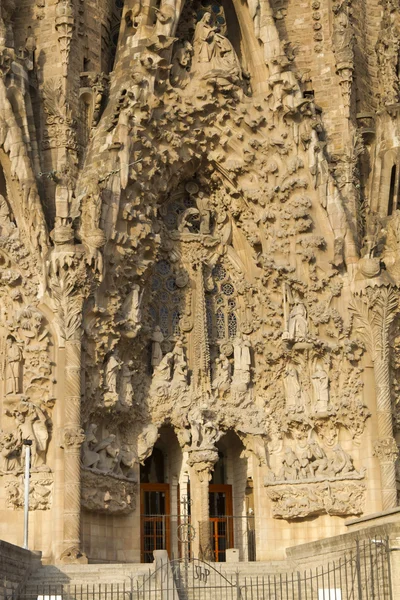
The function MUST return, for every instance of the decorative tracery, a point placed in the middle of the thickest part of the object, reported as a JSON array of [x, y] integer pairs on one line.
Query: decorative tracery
[[221, 305]]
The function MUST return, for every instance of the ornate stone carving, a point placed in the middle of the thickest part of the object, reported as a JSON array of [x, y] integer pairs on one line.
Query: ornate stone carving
[[103, 493], [342, 498], [40, 493]]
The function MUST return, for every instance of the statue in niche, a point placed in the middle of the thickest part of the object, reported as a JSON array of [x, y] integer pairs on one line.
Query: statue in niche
[[342, 38], [156, 351], [13, 367], [222, 375], [290, 466], [293, 391], [180, 370], [132, 312], [242, 363], [127, 393], [214, 56], [341, 463], [320, 381], [7, 225], [90, 457], [10, 451], [113, 366], [31, 424], [203, 206], [297, 325], [181, 63]]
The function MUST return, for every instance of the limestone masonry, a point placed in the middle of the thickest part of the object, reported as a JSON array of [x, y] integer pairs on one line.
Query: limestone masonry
[[199, 273]]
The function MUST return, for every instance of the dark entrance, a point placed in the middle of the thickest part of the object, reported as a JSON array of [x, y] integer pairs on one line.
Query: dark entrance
[[221, 520], [154, 507]]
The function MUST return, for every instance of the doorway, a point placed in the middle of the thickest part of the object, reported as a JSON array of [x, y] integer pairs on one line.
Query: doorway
[[155, 519], [154, 507], [221, 520]]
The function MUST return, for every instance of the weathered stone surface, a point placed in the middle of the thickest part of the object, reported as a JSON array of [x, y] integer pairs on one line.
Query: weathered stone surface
[[199, 267]]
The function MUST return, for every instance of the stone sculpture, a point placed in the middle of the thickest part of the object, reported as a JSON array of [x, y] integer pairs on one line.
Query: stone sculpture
[[320, 382], [13, 367]]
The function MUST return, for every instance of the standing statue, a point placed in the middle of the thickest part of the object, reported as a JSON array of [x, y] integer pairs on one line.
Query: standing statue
[[13, 365], [127, 393], [293, 392], [132, 312], [242, 363], [203, 206], [297, 326], [113, 366], [320, 383], [156, 350]]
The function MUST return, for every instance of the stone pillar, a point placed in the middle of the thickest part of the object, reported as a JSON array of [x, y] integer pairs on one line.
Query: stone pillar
[[73, 439], [394, 557], [385, 448], [201, 463]]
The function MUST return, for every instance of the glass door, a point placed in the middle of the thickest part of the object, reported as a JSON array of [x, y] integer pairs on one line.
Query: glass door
[[221, 521], [155, 519]]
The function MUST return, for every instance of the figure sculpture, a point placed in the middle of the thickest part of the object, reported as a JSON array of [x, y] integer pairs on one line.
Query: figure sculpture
[[181, 63], [290, 466], [341, 463], [320, 382], [214, 56], [297, 326], [293, 392], [242, 363], [90, 457], [112, 368], [31, 424], [156, 350], [223, 374], [13, 365], [10, 451], [132, 312]]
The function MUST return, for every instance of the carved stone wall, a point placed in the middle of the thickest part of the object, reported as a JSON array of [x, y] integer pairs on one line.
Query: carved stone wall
[[198, 233]]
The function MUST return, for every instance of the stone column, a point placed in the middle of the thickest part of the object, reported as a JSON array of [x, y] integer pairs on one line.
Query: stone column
[[73, 438], [67, 269], [201, 463], [375, 314]]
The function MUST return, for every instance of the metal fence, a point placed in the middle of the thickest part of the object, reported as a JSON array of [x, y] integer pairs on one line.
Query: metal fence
[[363, 573]]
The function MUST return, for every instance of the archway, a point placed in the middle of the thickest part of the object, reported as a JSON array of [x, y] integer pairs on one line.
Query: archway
[[231, 511]]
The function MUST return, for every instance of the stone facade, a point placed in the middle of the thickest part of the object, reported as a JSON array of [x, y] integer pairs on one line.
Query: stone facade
[[199, 268]]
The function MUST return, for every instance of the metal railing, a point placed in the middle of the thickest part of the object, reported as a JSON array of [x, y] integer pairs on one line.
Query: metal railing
[[362, 573]]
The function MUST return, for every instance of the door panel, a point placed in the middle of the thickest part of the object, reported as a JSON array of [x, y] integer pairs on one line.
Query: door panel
[[221, 522], [155, 519]]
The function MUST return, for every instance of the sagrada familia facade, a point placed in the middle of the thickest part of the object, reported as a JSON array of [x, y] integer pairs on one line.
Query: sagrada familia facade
[[199, 273]]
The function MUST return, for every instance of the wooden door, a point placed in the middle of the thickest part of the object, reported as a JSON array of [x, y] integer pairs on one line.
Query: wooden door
[[154, 519], [221, 521]]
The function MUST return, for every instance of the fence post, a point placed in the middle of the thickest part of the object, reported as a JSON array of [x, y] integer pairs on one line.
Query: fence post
[[358, 570], [298, 585], [238, 593]]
